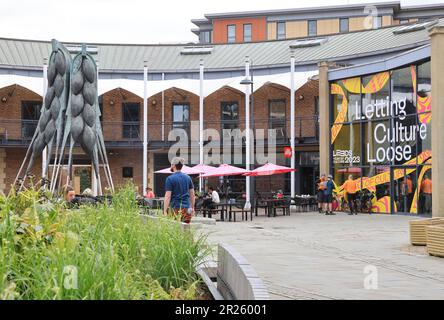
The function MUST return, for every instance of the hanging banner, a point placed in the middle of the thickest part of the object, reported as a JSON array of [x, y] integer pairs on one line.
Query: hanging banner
[[336, 128], [371, 183], [423, 104], [383, 205]]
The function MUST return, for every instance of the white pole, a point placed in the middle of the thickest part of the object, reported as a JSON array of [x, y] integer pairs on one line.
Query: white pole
[[45, 82], [145, 126], [292, 125], [201, 119], [163, 110], [247, 135]]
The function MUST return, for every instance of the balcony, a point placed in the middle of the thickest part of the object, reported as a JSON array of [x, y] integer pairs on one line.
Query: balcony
[[17, 132]]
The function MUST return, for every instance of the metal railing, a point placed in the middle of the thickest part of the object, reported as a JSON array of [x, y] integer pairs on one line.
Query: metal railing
[[131, 133]]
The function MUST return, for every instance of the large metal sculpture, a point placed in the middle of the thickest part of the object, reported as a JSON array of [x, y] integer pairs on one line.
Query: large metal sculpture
[[70, 112]]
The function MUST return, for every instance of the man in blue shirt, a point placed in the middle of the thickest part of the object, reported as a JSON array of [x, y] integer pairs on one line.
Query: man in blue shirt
[[179, 192], [328, 196]]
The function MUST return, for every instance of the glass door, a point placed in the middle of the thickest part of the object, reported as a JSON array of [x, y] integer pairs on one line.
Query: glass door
[[404, 189]]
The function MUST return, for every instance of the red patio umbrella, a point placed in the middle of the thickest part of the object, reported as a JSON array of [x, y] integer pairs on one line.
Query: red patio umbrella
[[203, 168], [225, 170], [268, 170], [185, 169]]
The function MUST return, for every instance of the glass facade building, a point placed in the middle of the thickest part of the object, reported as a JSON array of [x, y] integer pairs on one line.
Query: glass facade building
[[381, 134]]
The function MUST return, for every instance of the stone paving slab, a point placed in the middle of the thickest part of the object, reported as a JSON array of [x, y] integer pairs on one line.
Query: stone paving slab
[[312, 256]]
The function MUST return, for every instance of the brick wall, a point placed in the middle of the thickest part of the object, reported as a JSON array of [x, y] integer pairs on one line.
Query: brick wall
[[14, 159], [2, 170], [10, 115], [11, 110]]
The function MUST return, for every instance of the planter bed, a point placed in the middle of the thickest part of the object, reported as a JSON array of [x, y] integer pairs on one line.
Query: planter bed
[[435, 240], [418, 235]]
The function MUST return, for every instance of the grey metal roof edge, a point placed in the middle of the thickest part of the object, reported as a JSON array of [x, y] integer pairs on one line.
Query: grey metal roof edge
[[271, 66], [390, 63], [394, 4], [422, 7]]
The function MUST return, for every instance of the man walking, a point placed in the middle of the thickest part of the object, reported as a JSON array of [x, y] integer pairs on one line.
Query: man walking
[[179, 195], [328, 196], [321, 189], [350, 192]]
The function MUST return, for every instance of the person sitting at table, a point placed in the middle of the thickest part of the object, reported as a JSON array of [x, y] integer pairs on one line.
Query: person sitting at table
[[212, 200], [149, 193]]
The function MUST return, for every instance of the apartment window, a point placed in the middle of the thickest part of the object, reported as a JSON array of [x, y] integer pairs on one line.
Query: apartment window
[[131, 120], [277, 111], [377, 22], [247, 32], [280, 30], [30, 118], [181, 116], [344, 25], [231, 33], [230, 115], [312, 28], [127, 172], [205, 37]]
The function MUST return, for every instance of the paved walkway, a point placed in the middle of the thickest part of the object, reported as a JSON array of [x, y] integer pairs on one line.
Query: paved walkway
[[312, 256]]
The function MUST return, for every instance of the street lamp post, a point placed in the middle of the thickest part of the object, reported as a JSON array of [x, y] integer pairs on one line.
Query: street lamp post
[[248, 82]]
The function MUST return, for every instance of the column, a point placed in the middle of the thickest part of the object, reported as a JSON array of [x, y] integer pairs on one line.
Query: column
[[292, 125], [324, 114], [145, 127], [201, 119], [247, 134], [437, 66]]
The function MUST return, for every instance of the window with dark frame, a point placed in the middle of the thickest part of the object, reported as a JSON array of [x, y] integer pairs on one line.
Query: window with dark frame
[[344, 25], [231, 33], [127, 172], [312, 28], [230, 115], [277, 115], [281, 34], [205, 37], [181, 116], [30, 118], [248, 32], [131, 120]]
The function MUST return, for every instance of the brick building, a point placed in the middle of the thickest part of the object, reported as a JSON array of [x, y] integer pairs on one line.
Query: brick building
[[173, 99], [250, 26]]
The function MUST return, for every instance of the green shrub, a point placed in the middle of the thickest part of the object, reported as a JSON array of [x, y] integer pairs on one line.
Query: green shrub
[[113, 252]]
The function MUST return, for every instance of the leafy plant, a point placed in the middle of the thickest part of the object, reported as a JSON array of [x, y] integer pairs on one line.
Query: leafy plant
[[103, 252]]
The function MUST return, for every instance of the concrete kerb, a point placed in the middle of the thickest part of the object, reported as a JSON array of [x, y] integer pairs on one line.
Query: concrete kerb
[[236, 278]]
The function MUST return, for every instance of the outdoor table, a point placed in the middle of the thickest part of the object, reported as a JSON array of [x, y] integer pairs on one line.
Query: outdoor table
[[226, 207], [270, 203], [304, 201]]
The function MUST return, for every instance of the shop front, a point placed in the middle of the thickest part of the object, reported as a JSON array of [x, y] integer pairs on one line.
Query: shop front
[[381, 134]]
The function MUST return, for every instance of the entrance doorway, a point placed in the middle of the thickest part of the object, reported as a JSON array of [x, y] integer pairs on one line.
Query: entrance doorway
[[308, 180]]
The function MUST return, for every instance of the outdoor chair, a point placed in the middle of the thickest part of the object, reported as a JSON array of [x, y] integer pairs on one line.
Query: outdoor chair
[[284, 206], [259, 203], [213, 211], [244, 213]]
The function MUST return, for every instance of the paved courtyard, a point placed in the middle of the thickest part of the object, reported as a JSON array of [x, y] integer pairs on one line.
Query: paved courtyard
[[312, 256]]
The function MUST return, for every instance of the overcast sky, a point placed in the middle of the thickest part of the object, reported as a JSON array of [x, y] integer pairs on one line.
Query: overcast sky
[[129, 21]]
